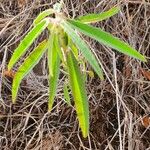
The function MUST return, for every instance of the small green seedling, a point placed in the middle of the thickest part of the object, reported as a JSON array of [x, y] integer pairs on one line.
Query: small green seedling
[[62, 47]]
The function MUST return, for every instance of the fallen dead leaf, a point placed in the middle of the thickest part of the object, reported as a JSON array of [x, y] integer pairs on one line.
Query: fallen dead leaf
[[146, 121], [145, 73], [10, 73], [22, 3], [127, 71]]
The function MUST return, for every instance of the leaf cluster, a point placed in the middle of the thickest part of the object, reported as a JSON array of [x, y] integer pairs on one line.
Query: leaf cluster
[[62, 48]]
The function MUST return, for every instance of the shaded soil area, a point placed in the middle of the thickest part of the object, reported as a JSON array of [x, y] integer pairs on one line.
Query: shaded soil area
[[119, 105]]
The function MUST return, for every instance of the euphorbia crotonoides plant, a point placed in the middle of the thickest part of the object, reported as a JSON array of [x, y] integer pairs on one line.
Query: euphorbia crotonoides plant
[[62, 47]]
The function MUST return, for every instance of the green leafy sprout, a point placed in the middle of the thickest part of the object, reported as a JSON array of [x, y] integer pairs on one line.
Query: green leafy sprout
[[62, 47]]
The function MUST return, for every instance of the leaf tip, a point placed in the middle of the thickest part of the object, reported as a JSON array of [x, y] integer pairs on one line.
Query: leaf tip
[[49, 107], [102, 77], [14, 100], [117, 8], [100, 74], [144, 59], [85, 134]]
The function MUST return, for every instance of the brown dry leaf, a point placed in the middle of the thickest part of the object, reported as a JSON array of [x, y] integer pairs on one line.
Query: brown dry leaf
[[9, 73], [21, 3], [127, 71], [146, 121], [145, 73]]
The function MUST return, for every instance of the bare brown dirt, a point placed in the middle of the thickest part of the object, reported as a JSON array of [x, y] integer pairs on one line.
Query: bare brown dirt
[[117, 104]]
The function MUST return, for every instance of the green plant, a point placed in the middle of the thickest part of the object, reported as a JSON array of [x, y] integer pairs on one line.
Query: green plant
[[62, 47]]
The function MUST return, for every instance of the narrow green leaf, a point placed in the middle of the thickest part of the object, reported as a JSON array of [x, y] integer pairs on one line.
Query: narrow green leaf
[[42, 15], [54, 64], [63, 38], [58, 48], [79, 93], [73, 48], [27, 66], [92, 18], [66, 94], [51, 53], [84, 48], [26, 42], [106, 39]]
